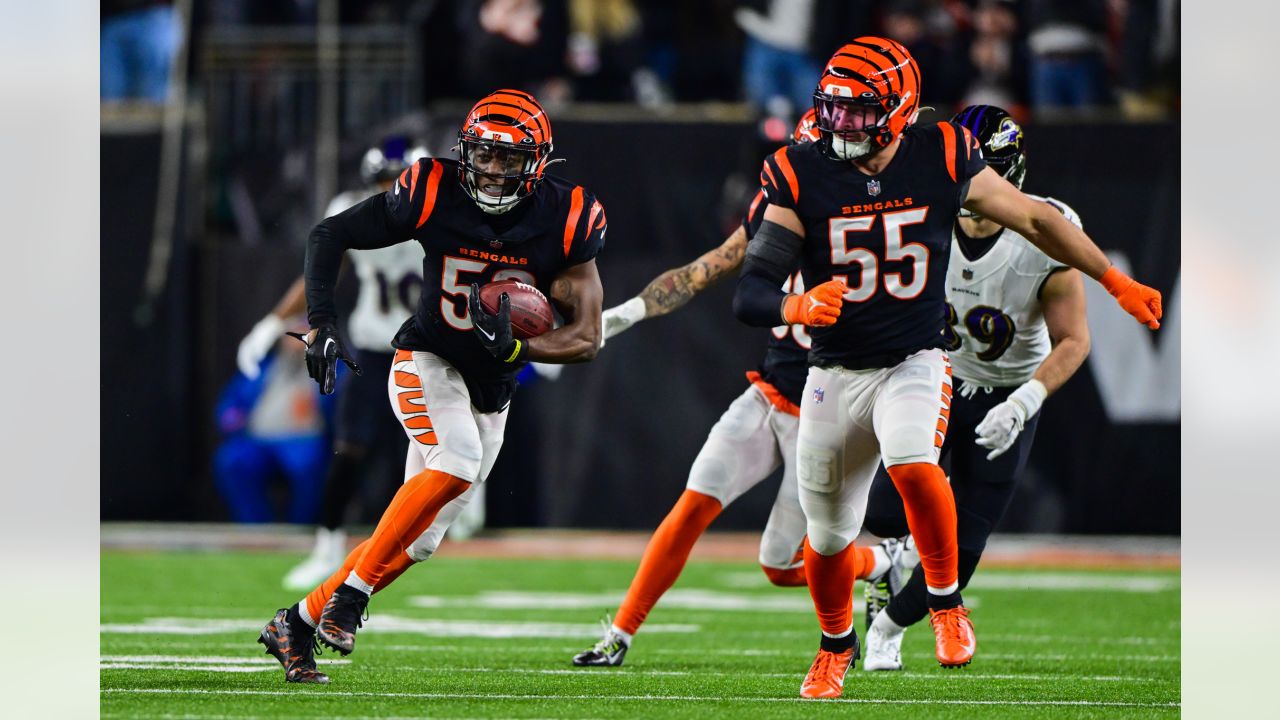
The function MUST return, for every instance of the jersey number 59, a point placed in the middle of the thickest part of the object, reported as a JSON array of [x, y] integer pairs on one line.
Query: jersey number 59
[[863, 286], [455, 285]]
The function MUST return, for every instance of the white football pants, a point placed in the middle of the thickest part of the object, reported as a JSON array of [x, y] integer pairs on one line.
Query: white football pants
[[446, 433], [751, 439], [848, 419]]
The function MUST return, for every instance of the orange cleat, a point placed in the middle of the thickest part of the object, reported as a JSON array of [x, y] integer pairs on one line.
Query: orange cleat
[[826, 677], [956, 639]]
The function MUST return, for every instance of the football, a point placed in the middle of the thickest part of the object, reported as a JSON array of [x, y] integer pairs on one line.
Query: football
[[531, 313]]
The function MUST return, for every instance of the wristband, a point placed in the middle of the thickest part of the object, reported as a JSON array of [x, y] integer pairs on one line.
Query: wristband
[[633, 310], [518, 353], [1030, 396]]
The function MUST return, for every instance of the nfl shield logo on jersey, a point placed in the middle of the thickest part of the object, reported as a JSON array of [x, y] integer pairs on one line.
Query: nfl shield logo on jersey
[[818, 395], [873, 187]]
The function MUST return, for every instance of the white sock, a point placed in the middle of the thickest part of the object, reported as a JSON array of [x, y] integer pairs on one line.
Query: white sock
[[885, 625], [336, 543], [354, 581], [306, 616], [626, 636], [843, 634], [943, 591], [883, 563]]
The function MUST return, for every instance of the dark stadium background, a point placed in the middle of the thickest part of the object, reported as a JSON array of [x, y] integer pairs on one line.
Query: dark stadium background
[[607, 445]]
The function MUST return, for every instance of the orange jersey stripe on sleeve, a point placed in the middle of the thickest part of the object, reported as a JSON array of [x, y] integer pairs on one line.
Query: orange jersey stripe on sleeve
[[785, 165], [949, 148], [413, 179], [571, 225], [433, 185]]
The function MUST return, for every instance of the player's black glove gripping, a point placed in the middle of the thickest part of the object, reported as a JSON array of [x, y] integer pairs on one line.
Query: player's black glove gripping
[[323, 355], [494, 330]]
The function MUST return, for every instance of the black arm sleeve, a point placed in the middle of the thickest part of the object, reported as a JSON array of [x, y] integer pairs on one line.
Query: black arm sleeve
[[772, 255], [366, 225]]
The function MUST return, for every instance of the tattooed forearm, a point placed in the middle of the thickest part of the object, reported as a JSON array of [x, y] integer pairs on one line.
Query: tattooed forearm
[[676, 287], [562, 297]]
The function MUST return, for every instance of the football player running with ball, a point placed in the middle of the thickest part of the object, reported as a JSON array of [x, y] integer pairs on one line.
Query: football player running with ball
[[867, 212], [755, 436], [1016, 331], [495, 214]]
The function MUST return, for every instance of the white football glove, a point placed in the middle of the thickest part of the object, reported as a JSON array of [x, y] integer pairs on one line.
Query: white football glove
[[255, 346], [1001, 426], [620, 317]]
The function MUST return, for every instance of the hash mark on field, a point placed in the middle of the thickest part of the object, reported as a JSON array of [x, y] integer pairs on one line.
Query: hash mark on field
[[320, 695]]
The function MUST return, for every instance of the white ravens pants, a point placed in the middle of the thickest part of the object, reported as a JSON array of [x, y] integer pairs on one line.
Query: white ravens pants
[[446, 433], [751, 439], [848, 419]]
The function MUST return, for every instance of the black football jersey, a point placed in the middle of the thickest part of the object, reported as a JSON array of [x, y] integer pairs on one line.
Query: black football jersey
[[888, 236], [786, 359], [560, 225]]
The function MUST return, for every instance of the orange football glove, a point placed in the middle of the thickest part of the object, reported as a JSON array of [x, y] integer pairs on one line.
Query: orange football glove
[[1140, 301], [818, 307]]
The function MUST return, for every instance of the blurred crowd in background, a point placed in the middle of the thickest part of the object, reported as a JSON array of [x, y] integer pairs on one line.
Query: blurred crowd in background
[[1027, 55]]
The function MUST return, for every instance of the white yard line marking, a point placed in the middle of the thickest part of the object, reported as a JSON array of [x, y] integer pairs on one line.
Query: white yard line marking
[[383, 623], [208, 659], [1045, 581], [678, 698]]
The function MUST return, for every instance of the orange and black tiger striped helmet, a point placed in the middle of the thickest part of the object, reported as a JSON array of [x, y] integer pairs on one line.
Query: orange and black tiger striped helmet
[[806, 130], [505, 145], [871, 88]]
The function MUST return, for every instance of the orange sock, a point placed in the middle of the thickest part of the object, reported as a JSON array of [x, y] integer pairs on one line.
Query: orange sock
[[864, 562], [790, 577], [931, 516], [316, 599], [665, 556], [831, 586], [410, 513]]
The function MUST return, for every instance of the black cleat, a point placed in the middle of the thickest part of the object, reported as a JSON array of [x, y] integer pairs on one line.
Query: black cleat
[[341, 617], [609, 652], [293, 647]]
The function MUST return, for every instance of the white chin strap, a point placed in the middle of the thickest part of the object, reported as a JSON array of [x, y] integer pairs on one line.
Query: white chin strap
[[846, 150]]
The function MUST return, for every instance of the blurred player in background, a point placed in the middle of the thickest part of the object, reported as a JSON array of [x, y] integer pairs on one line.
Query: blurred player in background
[[494, 214], [274, 425], [755, 436], [1016, 331], [867, 212]]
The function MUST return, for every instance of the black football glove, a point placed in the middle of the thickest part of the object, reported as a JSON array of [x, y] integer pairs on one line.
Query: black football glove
[[323, 355], [494, 330]]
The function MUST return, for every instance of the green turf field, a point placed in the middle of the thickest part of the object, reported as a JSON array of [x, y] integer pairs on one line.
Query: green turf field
[[486, 638]]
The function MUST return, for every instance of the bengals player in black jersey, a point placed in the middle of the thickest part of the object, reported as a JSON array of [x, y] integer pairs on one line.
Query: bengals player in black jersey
[[494, 214], [867, 212]]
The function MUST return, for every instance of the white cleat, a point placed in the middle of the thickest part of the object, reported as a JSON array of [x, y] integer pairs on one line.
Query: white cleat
[[884, 645], [325, 559]]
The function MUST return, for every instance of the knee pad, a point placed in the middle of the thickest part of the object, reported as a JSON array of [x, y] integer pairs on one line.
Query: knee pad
[[711, 477], [828, 541], [909, 444], [778, 552], [460, 456]]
